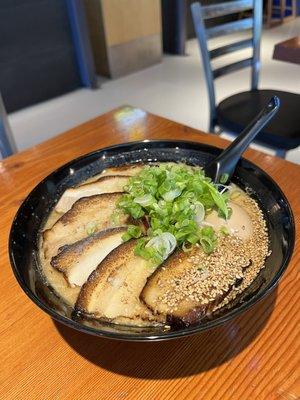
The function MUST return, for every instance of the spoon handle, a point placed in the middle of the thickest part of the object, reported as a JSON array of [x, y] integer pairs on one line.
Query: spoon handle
[[223, 166]]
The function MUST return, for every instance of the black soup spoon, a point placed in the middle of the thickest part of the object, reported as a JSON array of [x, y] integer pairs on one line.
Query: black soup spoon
[[221, 169]]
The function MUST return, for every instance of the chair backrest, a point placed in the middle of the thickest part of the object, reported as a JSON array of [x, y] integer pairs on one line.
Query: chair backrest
[[7, 143], [200, 14]]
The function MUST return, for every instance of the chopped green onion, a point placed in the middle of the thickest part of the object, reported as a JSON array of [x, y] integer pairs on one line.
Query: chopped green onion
[[133, 231], [126, 237], [175, 198], [116, 217], [91, 228], [172, 194], [207, 244], [145, 200], [224, 230], [224, 178], [163, 245], [187, 248], [229, 212], [199, 213], [218, 199]]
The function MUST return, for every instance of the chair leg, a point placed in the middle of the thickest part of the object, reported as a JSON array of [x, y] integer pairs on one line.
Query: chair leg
[[280, 153], [269, 13], [294, 8], [211, 128], [212, 125], [282, 10]]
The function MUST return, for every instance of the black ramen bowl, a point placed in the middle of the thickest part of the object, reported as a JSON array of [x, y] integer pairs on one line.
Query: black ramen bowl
[[31, 216]]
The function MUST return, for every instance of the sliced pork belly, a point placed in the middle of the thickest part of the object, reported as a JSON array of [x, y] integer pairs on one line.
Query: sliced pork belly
[[190, 313], [189, 286], [88, 215], [127, 170], [113, 289], [78, 260], [106, 184]]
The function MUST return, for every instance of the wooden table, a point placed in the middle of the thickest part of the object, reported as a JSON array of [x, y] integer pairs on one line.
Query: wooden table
[[255, 356], [289, 50]]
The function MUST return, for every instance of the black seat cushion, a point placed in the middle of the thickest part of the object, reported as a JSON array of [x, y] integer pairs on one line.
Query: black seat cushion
[[283, 131]]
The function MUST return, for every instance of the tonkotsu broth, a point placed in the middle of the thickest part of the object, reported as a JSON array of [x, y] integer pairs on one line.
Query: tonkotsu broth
[[245, 222]]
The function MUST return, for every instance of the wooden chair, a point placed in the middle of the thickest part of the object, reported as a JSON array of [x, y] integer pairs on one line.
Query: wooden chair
[[235, 112], [280, 12], [7, 143]]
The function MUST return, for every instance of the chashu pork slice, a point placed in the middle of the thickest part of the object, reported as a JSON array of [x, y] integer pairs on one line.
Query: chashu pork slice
[[127, 170], [187, 287], [88, 215], [105, 184], [78, 260], [112, 291]]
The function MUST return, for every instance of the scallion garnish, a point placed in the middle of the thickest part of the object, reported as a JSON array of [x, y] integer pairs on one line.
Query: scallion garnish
[[175, 199]]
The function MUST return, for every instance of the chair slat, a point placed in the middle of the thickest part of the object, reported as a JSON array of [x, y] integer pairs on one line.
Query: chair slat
[[232, 67], [230, 48], [231, 7], [229, 27]]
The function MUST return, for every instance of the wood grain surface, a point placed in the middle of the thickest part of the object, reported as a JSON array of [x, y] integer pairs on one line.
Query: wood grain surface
[[255, 356]]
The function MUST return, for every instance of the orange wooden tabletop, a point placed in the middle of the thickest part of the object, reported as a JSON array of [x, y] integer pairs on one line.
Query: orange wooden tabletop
[[255, 356]]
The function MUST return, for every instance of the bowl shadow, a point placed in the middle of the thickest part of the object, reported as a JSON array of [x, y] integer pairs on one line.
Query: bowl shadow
[[174, 358]]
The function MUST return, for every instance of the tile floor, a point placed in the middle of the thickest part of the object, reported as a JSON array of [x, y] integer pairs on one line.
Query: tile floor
[[174, 89]]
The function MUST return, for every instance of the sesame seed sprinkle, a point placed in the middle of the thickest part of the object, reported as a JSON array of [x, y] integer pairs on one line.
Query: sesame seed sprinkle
[[199, 278]]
